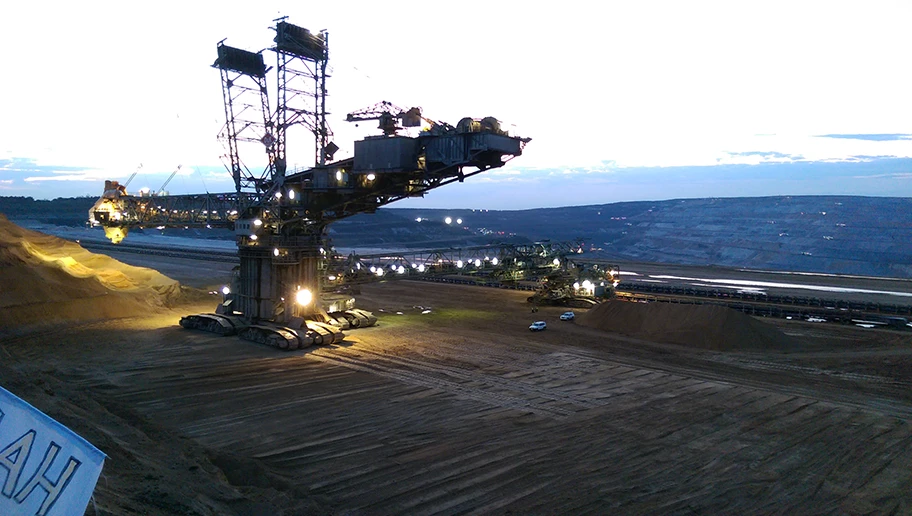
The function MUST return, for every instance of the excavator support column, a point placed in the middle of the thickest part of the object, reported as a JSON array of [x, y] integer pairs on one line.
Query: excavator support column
[[254, 292], [280, 278], [298, 277]]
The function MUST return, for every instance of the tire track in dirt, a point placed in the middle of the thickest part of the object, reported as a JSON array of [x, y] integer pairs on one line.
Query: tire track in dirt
[[433, 381], [735, 375], [558, 390], [763, 365], [483, 381]]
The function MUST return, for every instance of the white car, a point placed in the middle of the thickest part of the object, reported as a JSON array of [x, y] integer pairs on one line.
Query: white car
[[567, 316], [538, 326]]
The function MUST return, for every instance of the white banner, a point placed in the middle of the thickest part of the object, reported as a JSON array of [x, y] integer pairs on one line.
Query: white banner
[[45, 469]]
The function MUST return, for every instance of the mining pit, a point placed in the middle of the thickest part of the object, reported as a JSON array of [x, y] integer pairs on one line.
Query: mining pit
[[451, 405]]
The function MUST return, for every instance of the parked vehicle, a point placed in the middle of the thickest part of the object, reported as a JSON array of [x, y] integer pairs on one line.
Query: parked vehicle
[[538, 326], [567, 316]]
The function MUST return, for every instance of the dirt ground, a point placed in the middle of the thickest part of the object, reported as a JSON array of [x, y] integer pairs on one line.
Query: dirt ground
[[464, 410]]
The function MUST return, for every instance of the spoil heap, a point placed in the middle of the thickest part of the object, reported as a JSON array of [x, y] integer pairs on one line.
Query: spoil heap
[[711, 327], [44, 279]]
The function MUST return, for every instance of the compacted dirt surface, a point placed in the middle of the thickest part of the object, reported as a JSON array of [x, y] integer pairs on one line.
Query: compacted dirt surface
[[451, 405]]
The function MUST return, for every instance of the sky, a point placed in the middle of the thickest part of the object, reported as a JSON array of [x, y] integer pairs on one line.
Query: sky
[[644, 100]]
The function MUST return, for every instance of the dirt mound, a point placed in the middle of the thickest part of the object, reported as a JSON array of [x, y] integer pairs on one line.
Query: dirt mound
[[45, 279], [710, 327]]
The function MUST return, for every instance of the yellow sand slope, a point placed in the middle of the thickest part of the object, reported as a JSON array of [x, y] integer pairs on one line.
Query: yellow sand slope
[[45, 279]]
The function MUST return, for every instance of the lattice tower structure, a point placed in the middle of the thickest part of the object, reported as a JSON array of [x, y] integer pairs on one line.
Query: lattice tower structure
[[301, 73], [247, 115]]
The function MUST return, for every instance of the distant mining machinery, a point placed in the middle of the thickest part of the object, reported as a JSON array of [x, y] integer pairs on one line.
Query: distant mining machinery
[[577, 285], [280, 217], [552, 270]]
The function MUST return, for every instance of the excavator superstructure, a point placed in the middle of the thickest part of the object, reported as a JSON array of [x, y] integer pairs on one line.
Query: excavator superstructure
[[280, 216]]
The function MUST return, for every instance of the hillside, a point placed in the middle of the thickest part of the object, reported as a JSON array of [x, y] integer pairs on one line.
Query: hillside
[[828, 234]]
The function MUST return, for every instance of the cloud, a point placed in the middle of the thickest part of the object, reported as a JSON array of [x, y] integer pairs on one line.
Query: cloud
[[30, 177], [502, 179], [65, 177], [883, 137], [894, 175], [217, 174], [759, 157], [866, 158], [28, 166], [768, 154]]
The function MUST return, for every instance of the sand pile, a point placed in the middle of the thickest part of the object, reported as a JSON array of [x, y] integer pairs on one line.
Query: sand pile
[[46, 279], [709, 327]]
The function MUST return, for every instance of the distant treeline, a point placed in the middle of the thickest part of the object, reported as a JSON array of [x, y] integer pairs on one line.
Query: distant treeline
[[63, 211]]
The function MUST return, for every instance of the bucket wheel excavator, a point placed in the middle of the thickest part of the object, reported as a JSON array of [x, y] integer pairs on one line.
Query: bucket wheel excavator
[[280, 216]]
